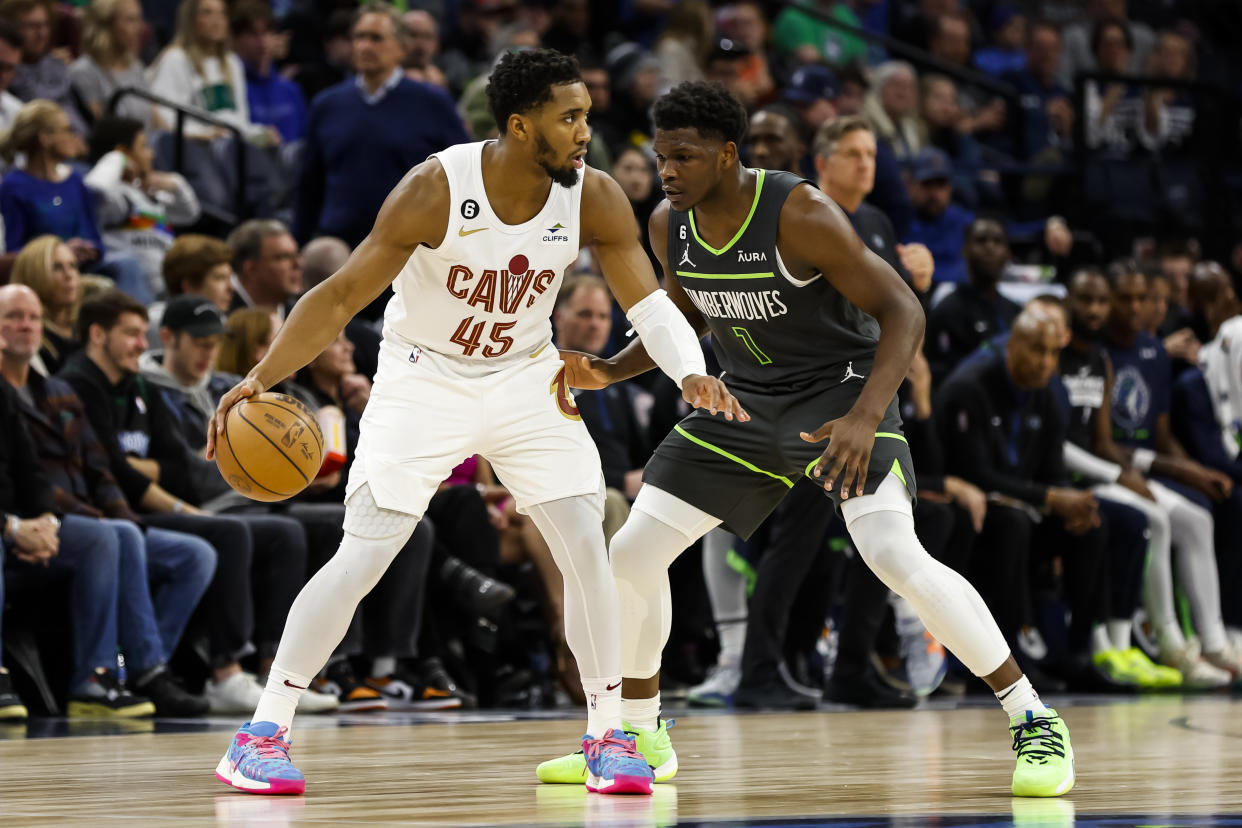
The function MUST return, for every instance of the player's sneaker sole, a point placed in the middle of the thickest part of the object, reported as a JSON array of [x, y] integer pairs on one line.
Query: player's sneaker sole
[[619, 784], [233, 778]]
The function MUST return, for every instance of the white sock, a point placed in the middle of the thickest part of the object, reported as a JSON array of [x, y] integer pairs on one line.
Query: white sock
[[383, 667], [1119, 632], [643, 714], [1020, 697], [280, 697], [732, 640], [603, 705], [1100, 640]]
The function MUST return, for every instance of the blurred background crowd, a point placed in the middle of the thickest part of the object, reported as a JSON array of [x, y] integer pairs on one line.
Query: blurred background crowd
[[175, 175]]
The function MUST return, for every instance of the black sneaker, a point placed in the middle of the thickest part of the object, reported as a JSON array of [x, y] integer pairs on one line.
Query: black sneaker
[[473, 591], [867, 690], [773, 696], [170, 698], [433, 676], [11, 707], [355, 696], [110, 699]]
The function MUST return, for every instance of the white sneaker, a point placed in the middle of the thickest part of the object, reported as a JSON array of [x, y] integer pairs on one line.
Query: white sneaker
[[1227, 660], [718, 689], [239, 693], [1196, 672], [312, 702], [1032, 643]]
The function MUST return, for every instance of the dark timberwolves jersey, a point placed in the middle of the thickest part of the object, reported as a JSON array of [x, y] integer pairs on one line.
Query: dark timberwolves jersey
[[1083, 376], [770, 330]]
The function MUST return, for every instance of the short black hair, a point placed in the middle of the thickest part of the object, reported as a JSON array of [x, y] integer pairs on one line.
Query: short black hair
[[105, 309], [793, 117], [1123, 269], [523, 81], [980, 218], [1097, 33], [112, 131], [704, 106]]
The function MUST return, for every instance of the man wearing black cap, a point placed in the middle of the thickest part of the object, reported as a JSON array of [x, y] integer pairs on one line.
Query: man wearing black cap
[[939, 223]]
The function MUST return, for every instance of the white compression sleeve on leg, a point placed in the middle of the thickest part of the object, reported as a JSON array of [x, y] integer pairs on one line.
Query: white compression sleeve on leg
[[667, 336]]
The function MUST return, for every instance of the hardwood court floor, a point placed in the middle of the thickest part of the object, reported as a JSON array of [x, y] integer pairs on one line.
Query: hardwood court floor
[[1171, 760]]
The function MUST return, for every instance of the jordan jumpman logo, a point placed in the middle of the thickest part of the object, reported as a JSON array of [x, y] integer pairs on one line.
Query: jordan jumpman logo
[[685, 258], [850, 373]]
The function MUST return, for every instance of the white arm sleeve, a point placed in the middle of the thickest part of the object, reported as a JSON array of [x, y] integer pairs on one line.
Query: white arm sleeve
[[667, 336], [1083, 462]]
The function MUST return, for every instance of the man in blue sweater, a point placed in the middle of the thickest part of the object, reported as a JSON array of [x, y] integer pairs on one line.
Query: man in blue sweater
[[364, 134]]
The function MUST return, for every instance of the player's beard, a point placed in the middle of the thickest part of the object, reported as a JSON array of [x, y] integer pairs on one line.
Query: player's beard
[[1080, 329], [567, 177]]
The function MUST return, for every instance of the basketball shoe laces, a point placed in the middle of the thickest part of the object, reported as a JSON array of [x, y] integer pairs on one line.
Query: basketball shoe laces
[[268, 748], [1035, 740], [614, 749]]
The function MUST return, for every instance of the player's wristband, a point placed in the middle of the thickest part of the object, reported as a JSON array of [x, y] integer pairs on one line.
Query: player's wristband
[[667, 336], [1142, 459]]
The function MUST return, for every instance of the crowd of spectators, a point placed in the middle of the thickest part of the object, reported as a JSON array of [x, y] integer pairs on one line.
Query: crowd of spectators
[[1051, 178]]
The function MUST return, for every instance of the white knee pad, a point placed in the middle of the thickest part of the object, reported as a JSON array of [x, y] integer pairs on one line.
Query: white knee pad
[[364, 518]]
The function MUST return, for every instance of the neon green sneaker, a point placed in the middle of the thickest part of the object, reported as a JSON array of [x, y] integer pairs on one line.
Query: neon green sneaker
[[656, 747], [1045, 757], [1160, 676], [1117, 667]]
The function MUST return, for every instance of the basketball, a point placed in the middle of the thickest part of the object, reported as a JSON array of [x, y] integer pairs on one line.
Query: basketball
[[271, 447]]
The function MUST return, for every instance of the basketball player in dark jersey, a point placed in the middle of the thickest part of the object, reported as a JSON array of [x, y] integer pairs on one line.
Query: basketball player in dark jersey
[[815, 334]]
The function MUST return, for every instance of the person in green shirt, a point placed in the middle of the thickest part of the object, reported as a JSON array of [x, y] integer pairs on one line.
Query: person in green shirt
[[798, 30]]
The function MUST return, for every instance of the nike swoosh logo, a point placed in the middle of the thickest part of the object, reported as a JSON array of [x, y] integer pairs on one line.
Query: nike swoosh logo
[[294, 686], [461, 231], [540, 351], [612, 687]]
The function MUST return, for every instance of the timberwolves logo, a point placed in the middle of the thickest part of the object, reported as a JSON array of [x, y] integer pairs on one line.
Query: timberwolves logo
[[1131, 399]]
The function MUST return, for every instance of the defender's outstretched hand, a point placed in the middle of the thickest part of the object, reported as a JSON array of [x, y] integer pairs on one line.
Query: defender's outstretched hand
[[711, 395], [246, 388], [587, 371]]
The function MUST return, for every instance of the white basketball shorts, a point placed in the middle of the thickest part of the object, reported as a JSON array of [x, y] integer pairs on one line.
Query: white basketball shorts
[[425, 417]]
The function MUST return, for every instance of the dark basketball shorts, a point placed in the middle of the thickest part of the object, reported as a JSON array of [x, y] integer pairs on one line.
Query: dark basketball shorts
[[739, 472]]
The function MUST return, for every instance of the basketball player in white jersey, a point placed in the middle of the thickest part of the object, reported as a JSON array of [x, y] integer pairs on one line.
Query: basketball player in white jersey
[[477, 239]]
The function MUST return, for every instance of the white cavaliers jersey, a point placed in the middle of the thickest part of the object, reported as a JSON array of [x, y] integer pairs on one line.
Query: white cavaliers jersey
[[484, 297]]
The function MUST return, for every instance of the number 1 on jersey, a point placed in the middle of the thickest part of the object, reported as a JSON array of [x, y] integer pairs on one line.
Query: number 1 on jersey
[[470, 342], [749, 342]]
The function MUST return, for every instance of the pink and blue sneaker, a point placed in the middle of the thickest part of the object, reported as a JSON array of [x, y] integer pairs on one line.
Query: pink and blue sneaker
[[258, 761], [614, 765]]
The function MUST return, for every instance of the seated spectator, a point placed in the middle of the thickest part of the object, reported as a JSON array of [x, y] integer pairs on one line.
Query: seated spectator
[[1003, 431], [685, 43], [1169, 114], [249, 333], [975, 311], [48, 267], [422, 42], [1113, 109], [1042, 132], [1007, 26], [1141, 405], [808, 39], [1176, 260], [364, 134], [200, 69], [46, 195], [939, 223], [1207, 410], [266, 269], [328, 61], [112, 39], [131, 422], [113, 560], [746, 25], [135, 203], [1081, 54], [10, 57], [776, 139], [892, 107], [331, 380], [43, 73], [635, 74], [273, 100], [194, 264], [812, 92], [1088, 378], [942, 123]]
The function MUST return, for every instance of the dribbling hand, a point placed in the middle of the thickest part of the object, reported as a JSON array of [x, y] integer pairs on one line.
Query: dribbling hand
[[246, 388], [711, 395]]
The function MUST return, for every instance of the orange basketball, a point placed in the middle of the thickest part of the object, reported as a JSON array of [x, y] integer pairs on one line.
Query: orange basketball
[[271, 447]]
